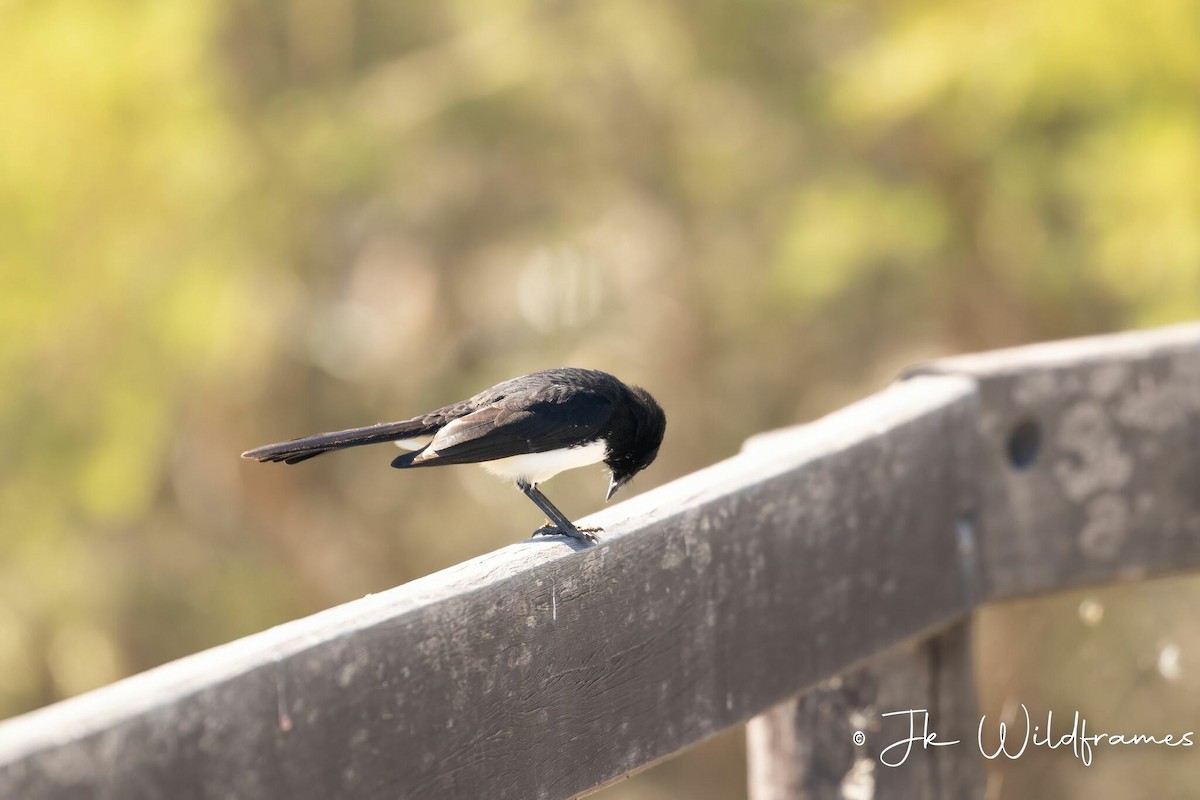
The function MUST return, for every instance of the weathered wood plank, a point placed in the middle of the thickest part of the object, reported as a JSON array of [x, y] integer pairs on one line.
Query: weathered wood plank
[[806, 748], [544, 671], [1090, 459]]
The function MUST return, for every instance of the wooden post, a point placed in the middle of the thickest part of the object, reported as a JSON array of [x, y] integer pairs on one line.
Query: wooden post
[[808, 747]]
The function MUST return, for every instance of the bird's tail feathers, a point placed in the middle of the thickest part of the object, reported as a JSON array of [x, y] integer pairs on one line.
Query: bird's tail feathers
[[297, 450]]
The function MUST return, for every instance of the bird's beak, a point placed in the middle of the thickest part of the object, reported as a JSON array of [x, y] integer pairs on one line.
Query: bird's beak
[[613, 485]]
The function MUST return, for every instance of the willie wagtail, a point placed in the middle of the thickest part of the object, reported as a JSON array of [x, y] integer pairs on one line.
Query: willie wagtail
[[527, 429]]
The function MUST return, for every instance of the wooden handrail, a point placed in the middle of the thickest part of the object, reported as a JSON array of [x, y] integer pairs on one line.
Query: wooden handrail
[[546, 669]]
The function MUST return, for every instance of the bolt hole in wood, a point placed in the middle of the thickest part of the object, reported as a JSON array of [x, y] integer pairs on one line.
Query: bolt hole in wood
[[1024, 443]]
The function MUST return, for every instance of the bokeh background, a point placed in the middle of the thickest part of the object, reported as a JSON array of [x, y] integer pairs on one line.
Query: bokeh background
[[229, 222]]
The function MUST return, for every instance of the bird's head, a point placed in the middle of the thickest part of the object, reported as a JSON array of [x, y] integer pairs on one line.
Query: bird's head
[[634, 444]]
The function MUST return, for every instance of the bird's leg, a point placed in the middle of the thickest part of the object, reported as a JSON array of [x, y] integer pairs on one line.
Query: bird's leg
[[560, 523]]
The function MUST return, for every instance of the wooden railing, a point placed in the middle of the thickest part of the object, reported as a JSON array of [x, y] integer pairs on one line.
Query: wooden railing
[[547, 669]]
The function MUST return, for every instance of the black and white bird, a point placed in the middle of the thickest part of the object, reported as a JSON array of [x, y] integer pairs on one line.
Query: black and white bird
[[527, 430]]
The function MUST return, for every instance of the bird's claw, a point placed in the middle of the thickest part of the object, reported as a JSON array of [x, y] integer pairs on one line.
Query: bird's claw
[[582, 534]]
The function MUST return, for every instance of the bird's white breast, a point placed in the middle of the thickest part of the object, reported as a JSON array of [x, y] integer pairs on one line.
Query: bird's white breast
[[537, 467]]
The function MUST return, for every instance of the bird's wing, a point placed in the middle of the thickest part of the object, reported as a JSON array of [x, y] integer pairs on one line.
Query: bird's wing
[[515, 426]]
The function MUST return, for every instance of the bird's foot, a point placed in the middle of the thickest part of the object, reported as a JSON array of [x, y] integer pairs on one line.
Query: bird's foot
[[582, 534]]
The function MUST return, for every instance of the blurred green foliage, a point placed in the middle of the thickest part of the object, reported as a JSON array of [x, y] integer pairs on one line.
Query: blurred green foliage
[[227, 223]]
